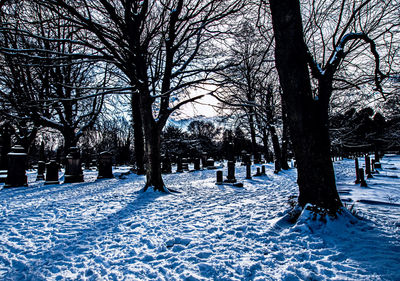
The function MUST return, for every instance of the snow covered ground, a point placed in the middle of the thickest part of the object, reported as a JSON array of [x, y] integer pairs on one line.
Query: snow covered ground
[[109, 230]]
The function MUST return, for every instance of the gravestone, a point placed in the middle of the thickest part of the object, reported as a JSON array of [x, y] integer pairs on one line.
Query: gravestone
[[219, 178], [16, 174], [204, 160], [231, 172], [179, 168], [40, 171], [73, 167], [263, 170], [248, 171], [105, 165], [258, 173], [166, 164], [368, 167], [197, 164], [363, 183], [210, 164], [52, 172]]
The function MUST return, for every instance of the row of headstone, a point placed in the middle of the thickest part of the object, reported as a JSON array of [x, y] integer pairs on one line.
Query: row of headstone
[[231, 173], [371, 167], [182, 164], [16, 173]]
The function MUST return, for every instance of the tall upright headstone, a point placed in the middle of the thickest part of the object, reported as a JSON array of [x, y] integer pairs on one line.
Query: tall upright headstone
[[40, 171], [73, 167], [231, 172], [52, 172], [248, 171], [166, 164], [219, 178], [196, 163], [105, 165], [16, 175], [179, 168], [363, 183]]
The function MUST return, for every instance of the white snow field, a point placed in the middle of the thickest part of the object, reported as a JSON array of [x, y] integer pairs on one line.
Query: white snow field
[[109, 230]]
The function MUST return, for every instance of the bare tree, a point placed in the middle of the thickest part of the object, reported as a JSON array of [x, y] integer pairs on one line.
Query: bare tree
[[308, 86], [159, 46], [39, 82]]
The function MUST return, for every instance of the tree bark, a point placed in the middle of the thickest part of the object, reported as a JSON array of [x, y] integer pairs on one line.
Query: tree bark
[[285, 138], [308, 118], [152, 135], [277, 149], [69, 140], [138, 134]]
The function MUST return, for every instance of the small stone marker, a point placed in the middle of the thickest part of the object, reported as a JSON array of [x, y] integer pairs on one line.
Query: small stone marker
[[41, 170], [258, 173], [73, 168], [231, 172], [248, 171], [16, 167], [210, 164], [52, 172], [105, 165], [357, 172], [263, 170], [363, 183], [219, 178]]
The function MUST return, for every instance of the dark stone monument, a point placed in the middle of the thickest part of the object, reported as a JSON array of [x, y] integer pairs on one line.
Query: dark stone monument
[[263, 170], [363, 183], [40, 171], [258, 173], [179, 168], [219, 178], [357, 172], [204, 160], [231, 172], [197, 164], [73, 167], [105, 165], [16, 167], [166, 164], [248, 171], [210, 164], [368, 167], [52, 172]]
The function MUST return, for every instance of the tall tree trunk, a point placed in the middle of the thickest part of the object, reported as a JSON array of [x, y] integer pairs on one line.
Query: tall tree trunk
[[285, 138], [69, 140], [277, 149], [153, 148], [138, 134], [252, 132], [308, 119], [267, 152]]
